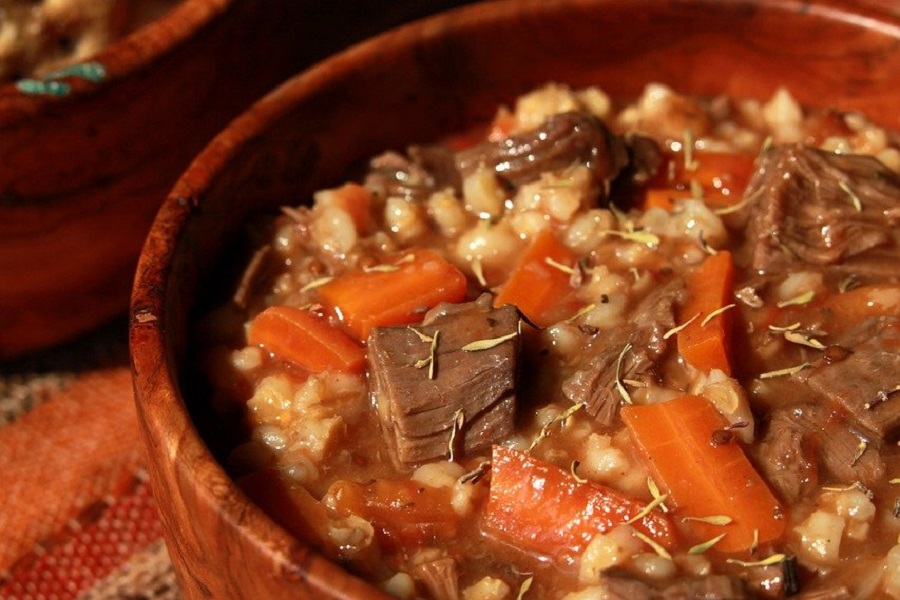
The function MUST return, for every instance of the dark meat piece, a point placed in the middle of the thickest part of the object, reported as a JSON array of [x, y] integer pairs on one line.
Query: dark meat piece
[[864, 382], [417, 413], [713, 587], [427, 169], [807, 207], [594, 384], [440, 578], [788, 457], [810, 430], [561, 141]]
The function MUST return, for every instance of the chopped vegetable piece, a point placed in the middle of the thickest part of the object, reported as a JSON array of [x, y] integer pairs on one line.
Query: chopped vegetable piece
[[705, 344], [721, 176], [536, 506], [398, 297], [353, 198], [538, 289], [299, 337], [403, 512], [703, 478]]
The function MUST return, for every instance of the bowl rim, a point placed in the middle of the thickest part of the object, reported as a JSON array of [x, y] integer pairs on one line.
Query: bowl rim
[[129, 54], [151, 366]]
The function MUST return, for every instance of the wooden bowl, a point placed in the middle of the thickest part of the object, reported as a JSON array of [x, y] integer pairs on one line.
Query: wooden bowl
[[416, 84], [82, 173]]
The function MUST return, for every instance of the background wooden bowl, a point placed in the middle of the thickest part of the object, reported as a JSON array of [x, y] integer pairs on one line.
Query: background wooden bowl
[[83, 174], [416, 84]]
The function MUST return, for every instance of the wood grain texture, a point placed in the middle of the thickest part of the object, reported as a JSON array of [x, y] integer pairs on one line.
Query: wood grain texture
[[415, 85]]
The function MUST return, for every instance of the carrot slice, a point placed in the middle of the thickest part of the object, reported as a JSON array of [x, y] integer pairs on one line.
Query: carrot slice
[[403, 512], [704, 474], [301, 338], [411, 284], [539, 284], [536, 506], [664, 198], [705, 343], [722, 176]]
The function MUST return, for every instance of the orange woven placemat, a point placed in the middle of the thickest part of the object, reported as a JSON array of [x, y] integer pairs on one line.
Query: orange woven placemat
[[78, 516]]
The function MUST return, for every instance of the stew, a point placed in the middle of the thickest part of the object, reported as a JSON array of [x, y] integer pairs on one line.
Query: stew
[[647, 349]]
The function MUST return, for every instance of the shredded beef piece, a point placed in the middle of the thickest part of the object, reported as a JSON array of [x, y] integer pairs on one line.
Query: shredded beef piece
[[712, 587], [807, 207], [818, 435], [561, 141], [594, 384], [440, 577], [418, 413], [788, 457], [863, 382]]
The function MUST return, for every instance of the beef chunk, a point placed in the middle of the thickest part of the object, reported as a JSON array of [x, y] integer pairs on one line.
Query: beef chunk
[[439, 576], [712, 587], [561, 141], [807, 207], [789, 460], [864, 382], [594, 384], [814, 430], [417, 412]]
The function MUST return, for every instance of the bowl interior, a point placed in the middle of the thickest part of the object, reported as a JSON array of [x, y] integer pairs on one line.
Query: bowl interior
[[415, 85]]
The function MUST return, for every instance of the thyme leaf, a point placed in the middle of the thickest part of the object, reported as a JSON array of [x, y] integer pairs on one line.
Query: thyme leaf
[[315, 283], [784, 372], [523, 589], [703, 547], [716, 313], [854, 199], [475, 475], [422, 335], [654, 491], [646, 238], [619, 386], [657, 501], [771, 560], [478, 271], [559, 266], [572, 470], [798, 300], [559, 419], [678, 328], [711, 520], [653, 544], [585, 310], [459, 420], [488, 344], [803, 340]]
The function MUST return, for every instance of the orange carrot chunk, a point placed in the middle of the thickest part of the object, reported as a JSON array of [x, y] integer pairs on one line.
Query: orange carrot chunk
[[721, 176], [705, 343], [705, 473], [539, 284], [536, 506], [397, 294], [299, 337]]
